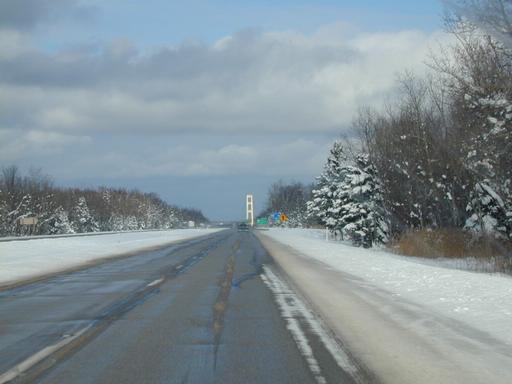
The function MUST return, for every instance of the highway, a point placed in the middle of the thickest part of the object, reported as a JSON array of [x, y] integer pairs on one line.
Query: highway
[[214, 309]]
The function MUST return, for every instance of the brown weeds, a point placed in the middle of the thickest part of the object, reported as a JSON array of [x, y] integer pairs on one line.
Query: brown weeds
[[487, 254]]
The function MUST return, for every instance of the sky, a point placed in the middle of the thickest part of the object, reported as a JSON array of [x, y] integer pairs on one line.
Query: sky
[[198, 101]]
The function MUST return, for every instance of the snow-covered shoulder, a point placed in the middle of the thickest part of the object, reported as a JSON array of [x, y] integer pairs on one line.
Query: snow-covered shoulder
[[21, 260], [482, 300]]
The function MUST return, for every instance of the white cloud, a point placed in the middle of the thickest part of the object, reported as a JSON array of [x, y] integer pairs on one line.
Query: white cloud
[[279, 81], [249, 85], [293, 158], [12, 44], [35, 144]]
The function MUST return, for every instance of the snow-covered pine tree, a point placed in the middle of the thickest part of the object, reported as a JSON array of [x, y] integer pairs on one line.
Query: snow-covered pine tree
[[172, 218], [487, 212], [4, 224], [323, 204], [358, 203], [44, 209], [59, 223], [131, 223], [81, 218], [116, 222], [490, 161], [348, 199]]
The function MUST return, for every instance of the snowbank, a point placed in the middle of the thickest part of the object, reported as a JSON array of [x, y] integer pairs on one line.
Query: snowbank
[[20, 260], [483, 301]]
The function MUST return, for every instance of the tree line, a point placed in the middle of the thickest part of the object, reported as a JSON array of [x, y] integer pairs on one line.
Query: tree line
[[291, 199], [439, 155], [75, 210]]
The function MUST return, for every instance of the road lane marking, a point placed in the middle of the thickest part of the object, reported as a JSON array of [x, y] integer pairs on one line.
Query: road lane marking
[[294, 309], [25, 365], [97, 326], [153, 283]]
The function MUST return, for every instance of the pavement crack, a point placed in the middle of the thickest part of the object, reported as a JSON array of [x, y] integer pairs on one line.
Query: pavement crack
[[258, 270], [221, 303]]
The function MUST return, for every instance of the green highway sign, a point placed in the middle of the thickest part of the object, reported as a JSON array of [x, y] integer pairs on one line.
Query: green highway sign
[[262, 221]]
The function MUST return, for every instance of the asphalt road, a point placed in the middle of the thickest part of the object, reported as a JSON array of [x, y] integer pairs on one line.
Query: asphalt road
[[207, 310], [400, 341]]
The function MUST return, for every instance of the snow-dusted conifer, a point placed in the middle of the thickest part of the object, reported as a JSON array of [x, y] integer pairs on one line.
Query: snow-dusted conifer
[[59, 223], [489, 158], [323, 203], [358, 204], [82, 220], [348, 199], [486, 212]]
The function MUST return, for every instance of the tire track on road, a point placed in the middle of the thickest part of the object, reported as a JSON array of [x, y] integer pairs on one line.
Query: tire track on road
[[221, 303]]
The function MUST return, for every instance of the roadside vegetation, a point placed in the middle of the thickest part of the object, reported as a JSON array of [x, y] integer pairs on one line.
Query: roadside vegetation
[[430, 174], [290, 198], [463, 249], [74, 210]]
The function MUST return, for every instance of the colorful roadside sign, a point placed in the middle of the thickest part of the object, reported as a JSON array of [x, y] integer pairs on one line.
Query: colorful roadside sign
[[283, 217], [276, 216], [262, 221]]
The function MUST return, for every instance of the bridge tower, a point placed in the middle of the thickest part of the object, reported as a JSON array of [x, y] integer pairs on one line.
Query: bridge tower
[[250, 210]]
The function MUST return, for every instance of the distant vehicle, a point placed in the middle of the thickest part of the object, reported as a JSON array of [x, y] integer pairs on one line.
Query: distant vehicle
[[243, 227]]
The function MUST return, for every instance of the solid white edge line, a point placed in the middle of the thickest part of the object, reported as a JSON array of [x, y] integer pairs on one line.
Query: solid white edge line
[[278, 288], [25, 365], [298, 308]]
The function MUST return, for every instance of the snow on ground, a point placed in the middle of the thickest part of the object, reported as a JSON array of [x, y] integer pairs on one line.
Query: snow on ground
[[481, 300], [20, 260]]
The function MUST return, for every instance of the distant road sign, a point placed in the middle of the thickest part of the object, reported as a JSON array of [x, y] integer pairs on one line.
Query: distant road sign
[[28, 221], [262, 221], [283, 217], [276, 216]]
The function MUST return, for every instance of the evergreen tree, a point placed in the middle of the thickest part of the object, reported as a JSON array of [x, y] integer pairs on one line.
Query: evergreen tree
[[358, 204], [4, 227], [44, 210], [323, 204], [82, 220], [59, 223], [487, 212], [348, 199], [489, 158]]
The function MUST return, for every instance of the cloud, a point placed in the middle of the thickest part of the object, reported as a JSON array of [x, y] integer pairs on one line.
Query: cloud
[[292, 157], [35, 144], [254, 103], [27, 14], [249, 82]]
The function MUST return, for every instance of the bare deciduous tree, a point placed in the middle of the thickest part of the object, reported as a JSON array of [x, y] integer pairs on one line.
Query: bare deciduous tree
[[492, 16]]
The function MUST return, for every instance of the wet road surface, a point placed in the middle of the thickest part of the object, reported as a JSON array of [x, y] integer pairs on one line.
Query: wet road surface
[[195, 312]]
